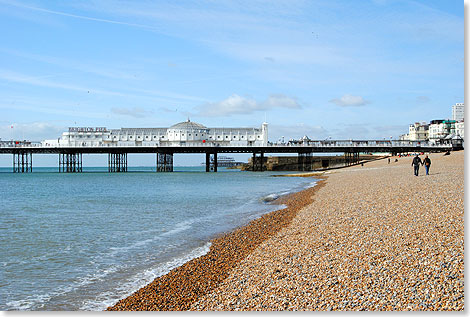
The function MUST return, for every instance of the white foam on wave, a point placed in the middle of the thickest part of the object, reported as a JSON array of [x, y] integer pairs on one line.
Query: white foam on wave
[[179, 227], [182, 226], [134, 283], [28, 302], [311, 184], [130, 247], [36, 302], [108, 298], [269, 198]]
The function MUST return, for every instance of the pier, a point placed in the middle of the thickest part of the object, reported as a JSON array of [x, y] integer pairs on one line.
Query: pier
[[71, 157]]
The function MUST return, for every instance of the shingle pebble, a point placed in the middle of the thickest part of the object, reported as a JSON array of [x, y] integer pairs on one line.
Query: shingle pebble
[[373, 238]]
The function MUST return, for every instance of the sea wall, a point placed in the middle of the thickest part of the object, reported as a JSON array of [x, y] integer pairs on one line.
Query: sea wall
[[291, 163]]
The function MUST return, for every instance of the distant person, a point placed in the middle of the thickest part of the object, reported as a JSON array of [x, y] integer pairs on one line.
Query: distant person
[[416, 161], [427, 164], [388, 160]]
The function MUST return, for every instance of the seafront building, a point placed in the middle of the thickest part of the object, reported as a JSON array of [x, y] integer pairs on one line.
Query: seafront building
[[460, 129], [438, 131], [458, 111], [417, 132], [185, 133]]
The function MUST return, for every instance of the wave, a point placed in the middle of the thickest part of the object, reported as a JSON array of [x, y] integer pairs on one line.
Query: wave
[[139, 280], [269, 198]]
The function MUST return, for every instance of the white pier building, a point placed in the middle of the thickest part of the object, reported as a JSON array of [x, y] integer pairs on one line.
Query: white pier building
[[185, 133]]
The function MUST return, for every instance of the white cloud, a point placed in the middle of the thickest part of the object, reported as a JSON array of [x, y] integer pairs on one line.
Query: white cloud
[[33, 131], [280, 101], [236, 104], [350, 101], [136, 112]]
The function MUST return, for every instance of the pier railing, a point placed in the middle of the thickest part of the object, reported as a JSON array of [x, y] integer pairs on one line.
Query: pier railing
[[317, 144]]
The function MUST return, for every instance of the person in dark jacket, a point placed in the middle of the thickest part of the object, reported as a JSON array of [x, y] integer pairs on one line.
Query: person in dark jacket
[[416, 162], [427, 164]]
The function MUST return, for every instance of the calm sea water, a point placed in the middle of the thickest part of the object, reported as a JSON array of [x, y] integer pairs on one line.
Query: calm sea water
[[84, 241]]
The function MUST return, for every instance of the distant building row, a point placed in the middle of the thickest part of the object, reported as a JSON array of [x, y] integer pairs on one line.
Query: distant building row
[[438, 130]]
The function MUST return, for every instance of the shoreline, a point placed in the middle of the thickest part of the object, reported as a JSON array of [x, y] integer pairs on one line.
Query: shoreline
[[181, 287]]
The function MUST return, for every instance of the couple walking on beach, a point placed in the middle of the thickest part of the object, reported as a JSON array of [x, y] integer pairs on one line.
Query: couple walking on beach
[[417, 160]]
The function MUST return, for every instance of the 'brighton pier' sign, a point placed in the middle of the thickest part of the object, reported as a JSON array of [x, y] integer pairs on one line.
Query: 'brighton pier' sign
[[85, 129]]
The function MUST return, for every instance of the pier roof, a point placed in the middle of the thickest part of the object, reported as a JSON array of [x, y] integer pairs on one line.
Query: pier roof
[[188, 125]]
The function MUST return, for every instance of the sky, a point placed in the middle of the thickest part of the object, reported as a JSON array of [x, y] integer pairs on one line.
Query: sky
[[328, 68]]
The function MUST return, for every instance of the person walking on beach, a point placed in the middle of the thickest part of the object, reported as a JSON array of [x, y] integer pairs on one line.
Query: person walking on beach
[[427, 164], [415, 163]]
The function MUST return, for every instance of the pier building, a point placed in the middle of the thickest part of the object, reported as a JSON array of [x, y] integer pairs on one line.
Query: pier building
[[187, 133]]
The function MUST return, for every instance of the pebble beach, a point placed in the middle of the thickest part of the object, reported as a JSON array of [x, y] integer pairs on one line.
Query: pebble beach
[[372, 237]]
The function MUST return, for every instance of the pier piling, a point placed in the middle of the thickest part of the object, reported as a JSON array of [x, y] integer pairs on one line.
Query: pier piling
[[351, 158], [70, 162], [117, 162], [304, 160], [258, 162], [215, 162], [211, 162], [22, 162], [164, 162]]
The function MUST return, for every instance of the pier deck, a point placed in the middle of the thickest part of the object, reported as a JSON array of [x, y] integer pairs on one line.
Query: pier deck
[[71, 157]]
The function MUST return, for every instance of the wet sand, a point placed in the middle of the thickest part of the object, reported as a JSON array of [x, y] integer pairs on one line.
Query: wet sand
[[368, 238]]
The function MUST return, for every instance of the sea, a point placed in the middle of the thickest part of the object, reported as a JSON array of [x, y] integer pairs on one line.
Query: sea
[[83, 241]]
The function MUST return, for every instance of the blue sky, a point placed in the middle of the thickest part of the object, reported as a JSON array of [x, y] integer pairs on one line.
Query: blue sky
[[345, 69]]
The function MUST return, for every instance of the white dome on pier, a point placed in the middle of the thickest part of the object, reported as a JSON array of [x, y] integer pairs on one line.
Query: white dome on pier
[[188, 125]]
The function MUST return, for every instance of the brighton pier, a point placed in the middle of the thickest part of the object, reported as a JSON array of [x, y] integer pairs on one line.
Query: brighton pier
[[191, 137]]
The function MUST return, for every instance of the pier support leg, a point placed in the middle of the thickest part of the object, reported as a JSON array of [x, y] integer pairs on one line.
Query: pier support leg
[[164, 162], [308, 161], [253, 161], [351, 158], [257, 162], [261, 162], [70, 163], [208, 162], [301, 161], [214, 162], [22, 162], [117, 162]]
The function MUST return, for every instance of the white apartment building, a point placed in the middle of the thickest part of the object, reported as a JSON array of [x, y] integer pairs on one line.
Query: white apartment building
[[416, 132], [460, 129], [185, 133], [458, 111], [439, 129]]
